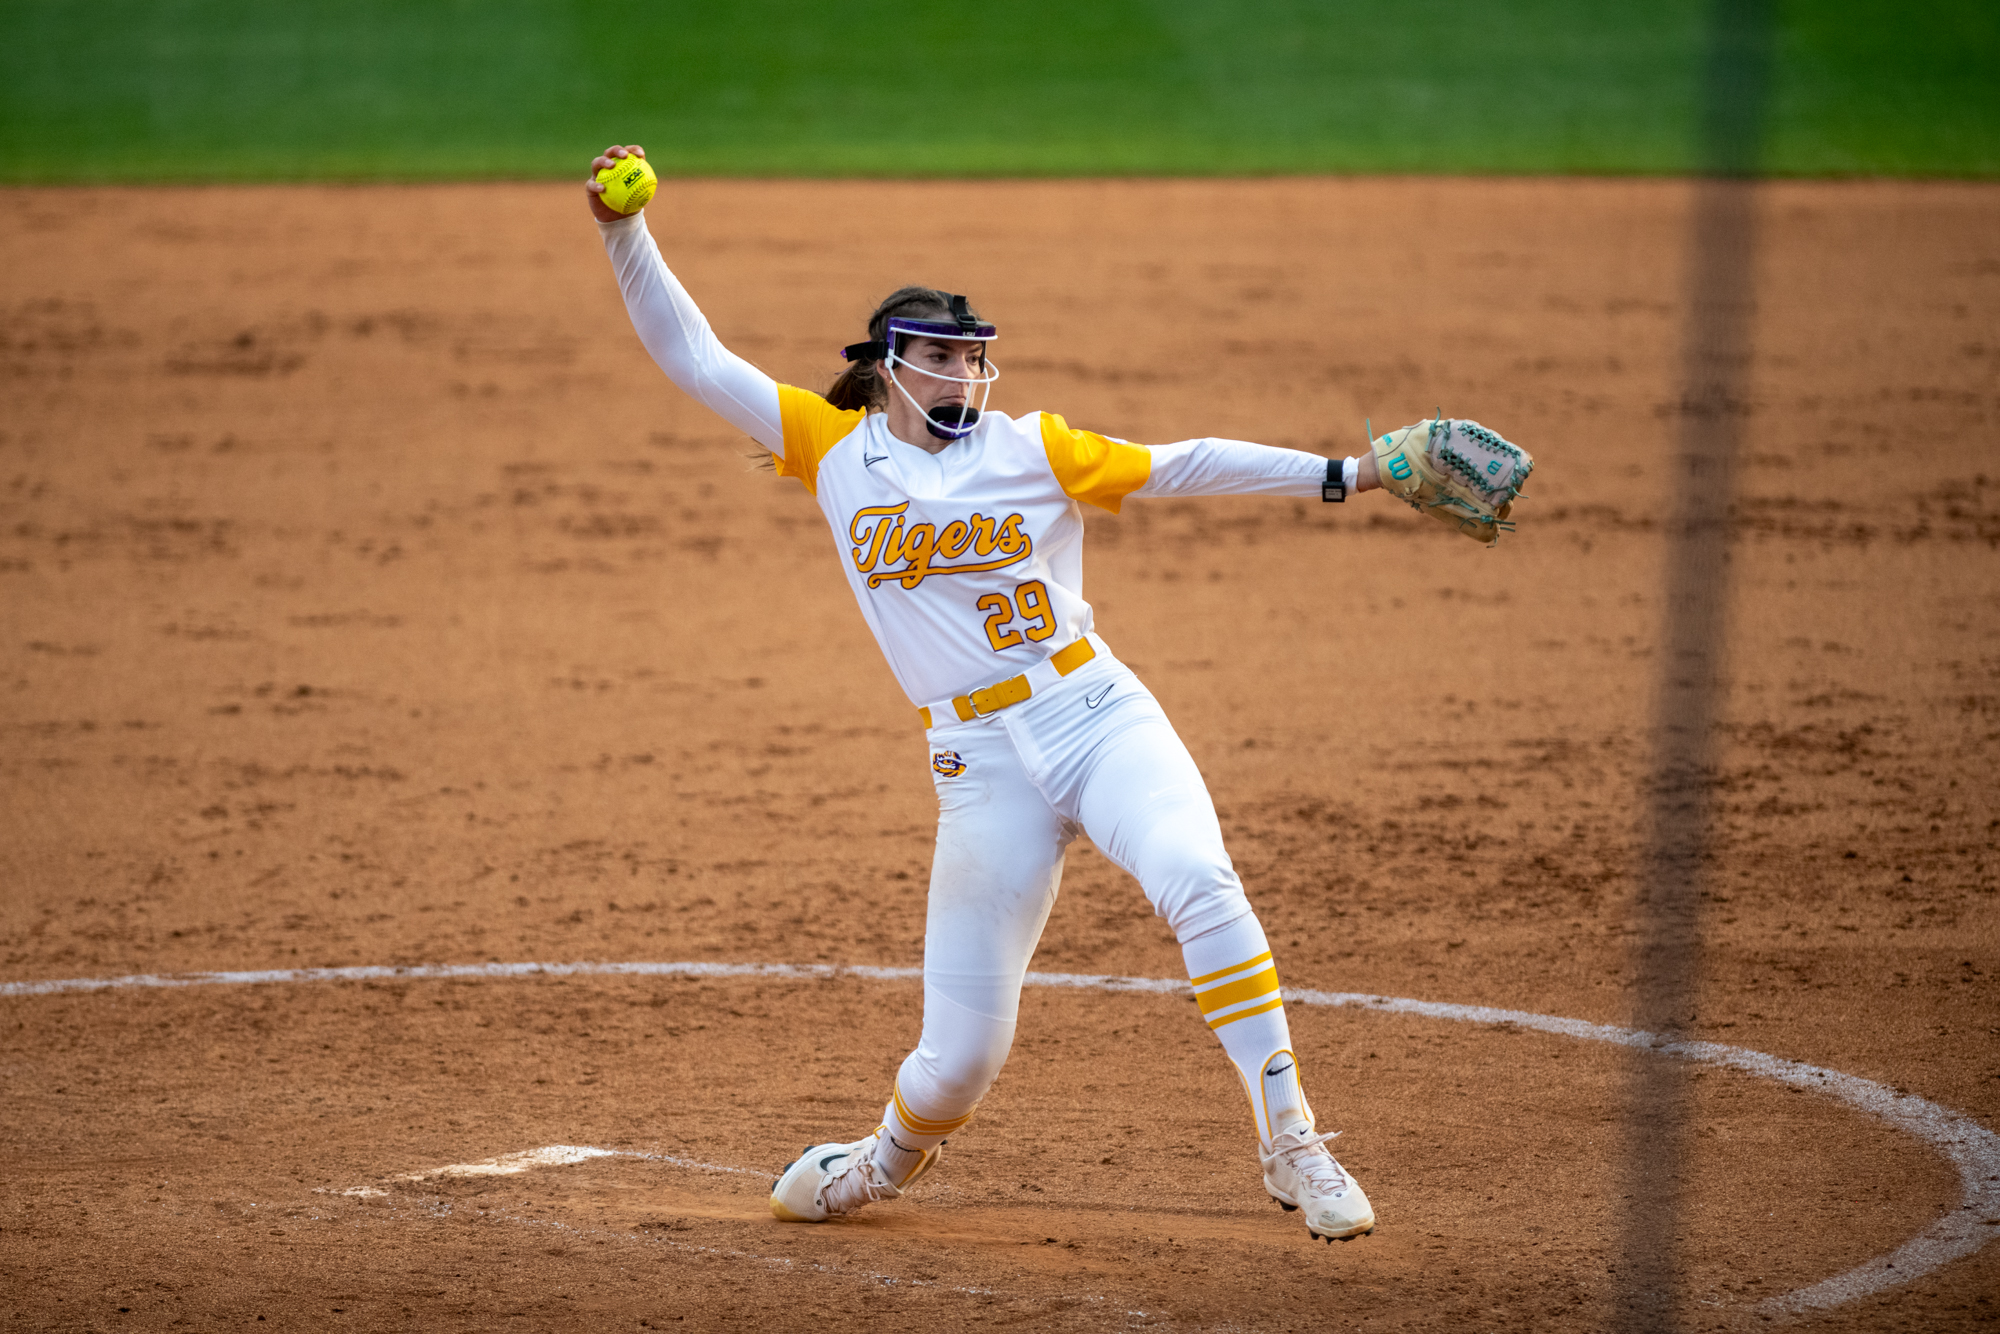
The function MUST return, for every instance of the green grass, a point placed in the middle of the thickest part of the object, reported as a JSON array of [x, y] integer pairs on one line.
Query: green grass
[[206, 90]]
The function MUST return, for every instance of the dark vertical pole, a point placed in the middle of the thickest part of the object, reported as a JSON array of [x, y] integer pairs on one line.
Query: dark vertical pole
[[1715, 375]]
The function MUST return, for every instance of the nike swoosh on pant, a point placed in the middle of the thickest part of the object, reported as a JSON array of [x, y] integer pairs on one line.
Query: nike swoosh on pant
[[1092, 701]]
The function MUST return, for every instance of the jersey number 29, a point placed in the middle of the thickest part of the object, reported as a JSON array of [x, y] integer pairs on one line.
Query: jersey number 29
[[1038, 620]]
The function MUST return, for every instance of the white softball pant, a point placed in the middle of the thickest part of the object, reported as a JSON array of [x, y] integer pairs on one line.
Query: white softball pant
[[1092, 754]]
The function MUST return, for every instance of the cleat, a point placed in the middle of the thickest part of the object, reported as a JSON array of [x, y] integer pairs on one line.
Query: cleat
[[833, 1180], [1301, 1175], [1288, 1208]]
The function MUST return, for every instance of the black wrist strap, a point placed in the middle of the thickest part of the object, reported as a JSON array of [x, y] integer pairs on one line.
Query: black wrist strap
[[1333, 489]]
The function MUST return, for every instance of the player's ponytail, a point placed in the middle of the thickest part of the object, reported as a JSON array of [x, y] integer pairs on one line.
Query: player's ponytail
[[859, 386]]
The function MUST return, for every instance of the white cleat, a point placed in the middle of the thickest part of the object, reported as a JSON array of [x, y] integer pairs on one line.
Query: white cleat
[[1302, 1175], [832, 1180]]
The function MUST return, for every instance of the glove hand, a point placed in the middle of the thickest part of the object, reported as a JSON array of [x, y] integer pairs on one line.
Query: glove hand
[[1457, 472]]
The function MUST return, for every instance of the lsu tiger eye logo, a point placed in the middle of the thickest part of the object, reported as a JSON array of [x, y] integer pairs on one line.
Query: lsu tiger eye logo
[[880, 538], [948, 763]]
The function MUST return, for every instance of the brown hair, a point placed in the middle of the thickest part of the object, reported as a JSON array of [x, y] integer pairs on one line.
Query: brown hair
[[859, 386]]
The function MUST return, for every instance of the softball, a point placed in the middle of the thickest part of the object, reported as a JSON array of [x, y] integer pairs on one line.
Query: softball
[[628, 184]]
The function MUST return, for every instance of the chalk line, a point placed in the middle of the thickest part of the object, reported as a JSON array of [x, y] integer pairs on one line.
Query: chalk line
[[1972, 1149], [436, 972], [563, 1155]]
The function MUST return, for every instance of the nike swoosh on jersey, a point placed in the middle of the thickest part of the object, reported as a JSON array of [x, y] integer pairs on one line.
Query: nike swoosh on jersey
[[868, 461], [1092, 701]]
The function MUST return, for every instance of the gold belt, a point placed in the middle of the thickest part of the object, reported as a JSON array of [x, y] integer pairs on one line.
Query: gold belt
[[1005, 694]]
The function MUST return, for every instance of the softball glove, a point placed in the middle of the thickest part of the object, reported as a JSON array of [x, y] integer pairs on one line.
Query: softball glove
[[1456, 471]]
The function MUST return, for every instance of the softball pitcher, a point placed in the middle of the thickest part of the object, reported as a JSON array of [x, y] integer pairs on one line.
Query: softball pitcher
[[960, 531]]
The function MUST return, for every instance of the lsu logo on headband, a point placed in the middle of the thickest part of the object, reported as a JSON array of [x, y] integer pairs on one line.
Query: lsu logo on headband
[[948, 763], [879, 537]]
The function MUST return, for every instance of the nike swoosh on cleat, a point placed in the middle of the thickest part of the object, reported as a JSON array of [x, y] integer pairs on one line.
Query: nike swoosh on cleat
[[1092, 701]]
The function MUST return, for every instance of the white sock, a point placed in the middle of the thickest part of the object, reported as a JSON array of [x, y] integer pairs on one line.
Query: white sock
[[1283, 1102], [1236, 986], [894, 1161]]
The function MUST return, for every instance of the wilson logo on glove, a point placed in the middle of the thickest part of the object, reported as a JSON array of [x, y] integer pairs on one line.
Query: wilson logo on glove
[[1455, 471]]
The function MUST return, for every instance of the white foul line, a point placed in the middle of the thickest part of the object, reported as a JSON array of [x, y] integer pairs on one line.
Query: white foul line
[[1971, 1148]]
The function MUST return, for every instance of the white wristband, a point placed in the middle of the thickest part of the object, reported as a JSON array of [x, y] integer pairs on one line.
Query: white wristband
[[1350, 474]]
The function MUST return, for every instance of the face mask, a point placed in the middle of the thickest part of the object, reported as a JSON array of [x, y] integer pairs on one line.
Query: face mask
[[946, 421]]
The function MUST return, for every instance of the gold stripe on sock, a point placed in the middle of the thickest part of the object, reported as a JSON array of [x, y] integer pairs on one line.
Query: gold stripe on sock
[[1270, 1005], [1265, 957], [1260, 983], [918, 1125]]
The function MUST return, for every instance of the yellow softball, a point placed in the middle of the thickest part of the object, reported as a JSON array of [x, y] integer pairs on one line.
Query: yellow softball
[[628, 184]]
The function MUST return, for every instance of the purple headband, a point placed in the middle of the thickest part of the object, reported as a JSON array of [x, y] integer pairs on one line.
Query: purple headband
[[962, 326], [879, 349], [969, 331]]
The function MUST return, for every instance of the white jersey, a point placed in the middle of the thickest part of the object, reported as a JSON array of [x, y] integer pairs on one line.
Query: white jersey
[[967, 563]]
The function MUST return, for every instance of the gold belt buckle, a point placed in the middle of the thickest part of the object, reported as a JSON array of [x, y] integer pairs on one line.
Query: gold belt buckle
[[999, 696]]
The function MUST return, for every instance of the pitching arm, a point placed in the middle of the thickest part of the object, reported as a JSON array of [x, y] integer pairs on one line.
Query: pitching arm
[[674, 330]]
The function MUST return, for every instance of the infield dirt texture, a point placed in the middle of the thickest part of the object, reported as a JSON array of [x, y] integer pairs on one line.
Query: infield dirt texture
[[371, 599]]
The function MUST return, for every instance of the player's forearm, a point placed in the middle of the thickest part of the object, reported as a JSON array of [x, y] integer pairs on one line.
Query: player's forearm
[[678, 336], [1214, 467]]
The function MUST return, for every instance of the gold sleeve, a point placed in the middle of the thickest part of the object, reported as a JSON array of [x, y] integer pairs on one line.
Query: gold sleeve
[[1092, 468], [812, 427]]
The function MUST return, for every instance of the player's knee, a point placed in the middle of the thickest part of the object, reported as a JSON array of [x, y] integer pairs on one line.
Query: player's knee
[[1190, 882], [1204, 909]]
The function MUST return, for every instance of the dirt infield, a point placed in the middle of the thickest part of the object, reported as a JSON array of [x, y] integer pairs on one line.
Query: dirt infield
[[370, 599]]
